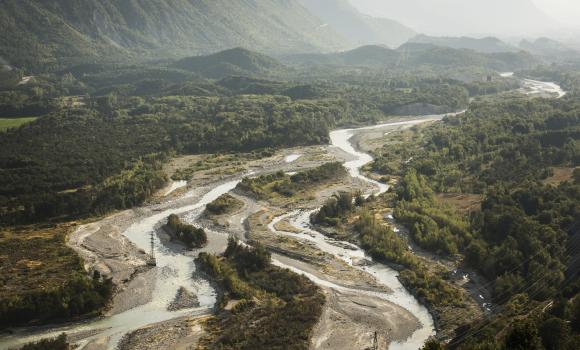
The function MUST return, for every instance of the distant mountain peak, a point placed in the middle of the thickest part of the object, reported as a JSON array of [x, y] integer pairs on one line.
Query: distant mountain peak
[[359, 29]]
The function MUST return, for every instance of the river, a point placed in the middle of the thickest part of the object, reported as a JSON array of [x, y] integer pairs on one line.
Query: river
[[175, 270], [351, 253]]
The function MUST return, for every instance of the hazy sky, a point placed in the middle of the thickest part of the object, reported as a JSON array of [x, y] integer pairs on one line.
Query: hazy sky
[[467, 15], [565, 11]]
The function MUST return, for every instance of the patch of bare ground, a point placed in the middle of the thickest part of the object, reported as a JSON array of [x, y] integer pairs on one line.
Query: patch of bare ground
[[463, 202], [350, 321], [178, 334], [559, 175], [286, 226], [103, 248]]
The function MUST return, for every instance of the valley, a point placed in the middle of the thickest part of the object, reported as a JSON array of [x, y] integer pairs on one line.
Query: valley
[[288, 174], [175, 268], [116, 246]]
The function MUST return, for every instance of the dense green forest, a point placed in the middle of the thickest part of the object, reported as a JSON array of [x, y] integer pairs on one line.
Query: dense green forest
[[522, 156], [273, 308]]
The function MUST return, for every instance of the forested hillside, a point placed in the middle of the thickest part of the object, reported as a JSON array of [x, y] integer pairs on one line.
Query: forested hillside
[[485, 45], [40, 34], [550, 49], [232, 62], [412, 56], [522, 157]]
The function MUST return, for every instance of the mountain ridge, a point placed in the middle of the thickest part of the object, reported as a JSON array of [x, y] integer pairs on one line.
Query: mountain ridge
[[52, 32], [236, 61], [416, 55], [485, 45]]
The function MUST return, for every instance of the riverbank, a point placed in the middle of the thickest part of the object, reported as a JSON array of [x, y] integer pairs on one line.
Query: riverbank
[[465, 282]]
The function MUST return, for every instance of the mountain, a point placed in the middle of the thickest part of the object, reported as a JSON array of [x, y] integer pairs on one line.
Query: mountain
[[444, 56], [413, 55], [364, 56], [550, 49], [357, 28], [519, 18], [485, 45], [46, 32], [233, 62]]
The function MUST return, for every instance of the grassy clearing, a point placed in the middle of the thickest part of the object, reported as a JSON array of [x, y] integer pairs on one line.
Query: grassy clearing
[[559, 175], [463, 202], [33, 258], [9, 123]]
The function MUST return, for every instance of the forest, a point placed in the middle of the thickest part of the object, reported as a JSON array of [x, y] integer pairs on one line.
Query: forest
[[523, 237]]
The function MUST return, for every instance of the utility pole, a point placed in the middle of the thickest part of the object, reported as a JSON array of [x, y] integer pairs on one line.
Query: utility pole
[[152, 261]]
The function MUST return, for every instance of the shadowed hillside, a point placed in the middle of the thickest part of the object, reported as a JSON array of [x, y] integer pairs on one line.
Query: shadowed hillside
[[38, 33]]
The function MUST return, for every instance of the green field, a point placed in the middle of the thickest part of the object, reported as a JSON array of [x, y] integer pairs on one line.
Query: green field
[[7, 123]]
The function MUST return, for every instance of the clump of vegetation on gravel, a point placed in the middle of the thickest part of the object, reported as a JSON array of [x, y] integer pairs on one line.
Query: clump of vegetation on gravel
[[225, 204], [266, 186], [58, 343], [263, 306], [189, 235]]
